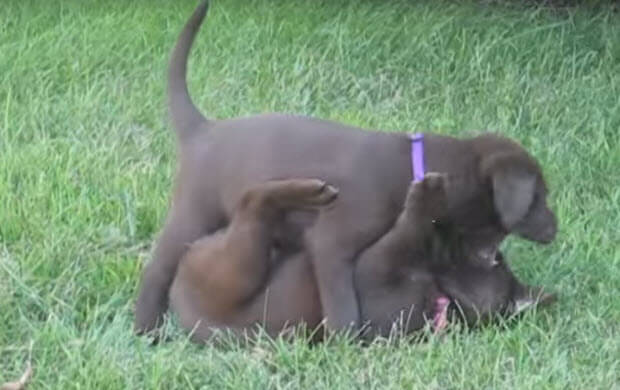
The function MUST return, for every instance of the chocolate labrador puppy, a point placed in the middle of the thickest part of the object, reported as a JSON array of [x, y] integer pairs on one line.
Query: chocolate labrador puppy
[[237, 279], [219, 160]]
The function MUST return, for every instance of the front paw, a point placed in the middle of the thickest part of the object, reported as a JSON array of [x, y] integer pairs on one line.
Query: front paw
[[427, 198]]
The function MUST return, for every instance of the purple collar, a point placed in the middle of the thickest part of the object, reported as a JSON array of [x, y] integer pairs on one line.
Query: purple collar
[[418, 167]]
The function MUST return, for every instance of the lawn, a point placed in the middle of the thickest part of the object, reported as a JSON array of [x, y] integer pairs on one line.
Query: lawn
[[87, 159]]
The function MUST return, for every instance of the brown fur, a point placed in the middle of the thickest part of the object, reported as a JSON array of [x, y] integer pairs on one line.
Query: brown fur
[[233, 280], [502, 190]]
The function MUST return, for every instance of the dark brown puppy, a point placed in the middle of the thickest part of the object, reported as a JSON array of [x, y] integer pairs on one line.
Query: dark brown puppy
[[401, 280], [234, 280], [503, 190]]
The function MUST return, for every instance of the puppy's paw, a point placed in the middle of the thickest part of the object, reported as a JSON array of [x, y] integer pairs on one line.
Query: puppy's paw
[[310, 193], [533, 297], [428, 197], [321, 194]]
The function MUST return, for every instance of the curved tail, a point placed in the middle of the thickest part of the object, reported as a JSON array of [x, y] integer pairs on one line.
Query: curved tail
[[185, 116]]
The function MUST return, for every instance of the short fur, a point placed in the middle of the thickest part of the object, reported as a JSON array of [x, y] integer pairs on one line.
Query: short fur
[[502, 189], [233, 280]]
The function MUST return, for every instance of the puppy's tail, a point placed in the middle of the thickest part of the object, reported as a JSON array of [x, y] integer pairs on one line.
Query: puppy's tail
[[185, 116]]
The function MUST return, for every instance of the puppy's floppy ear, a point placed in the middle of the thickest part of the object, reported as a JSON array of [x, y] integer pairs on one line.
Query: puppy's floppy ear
[[513, 185], [513, 193]]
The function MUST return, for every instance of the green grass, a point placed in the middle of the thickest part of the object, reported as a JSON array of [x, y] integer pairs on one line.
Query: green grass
[[87, 159]]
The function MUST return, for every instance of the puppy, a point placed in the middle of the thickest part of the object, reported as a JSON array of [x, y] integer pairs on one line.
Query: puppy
[[235, 280], [402, 283], [219, 160]]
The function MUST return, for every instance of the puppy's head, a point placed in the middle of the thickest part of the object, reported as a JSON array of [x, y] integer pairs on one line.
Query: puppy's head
[[506, 194], [479, 294]]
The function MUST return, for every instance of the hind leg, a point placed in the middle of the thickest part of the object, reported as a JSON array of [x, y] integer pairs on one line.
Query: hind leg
[[221, 274], [238, 262]]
